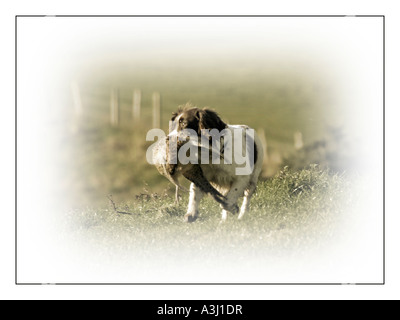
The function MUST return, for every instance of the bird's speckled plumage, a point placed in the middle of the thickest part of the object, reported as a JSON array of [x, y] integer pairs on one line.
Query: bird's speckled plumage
[[192, 172]]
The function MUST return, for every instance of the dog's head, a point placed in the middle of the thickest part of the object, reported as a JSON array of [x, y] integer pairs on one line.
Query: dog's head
[[191, 133], [189, 117]]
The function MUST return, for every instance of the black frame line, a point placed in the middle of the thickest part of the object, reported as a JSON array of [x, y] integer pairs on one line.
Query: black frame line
[[202, 16]]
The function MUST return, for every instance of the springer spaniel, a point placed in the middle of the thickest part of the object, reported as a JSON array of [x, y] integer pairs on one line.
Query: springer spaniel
[[228, 156]]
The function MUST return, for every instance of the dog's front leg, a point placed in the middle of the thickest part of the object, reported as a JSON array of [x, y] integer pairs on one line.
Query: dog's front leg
[[195, 196]]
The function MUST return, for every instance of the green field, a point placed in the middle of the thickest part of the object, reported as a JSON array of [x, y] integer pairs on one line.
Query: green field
[[279, 101], [299, 206]]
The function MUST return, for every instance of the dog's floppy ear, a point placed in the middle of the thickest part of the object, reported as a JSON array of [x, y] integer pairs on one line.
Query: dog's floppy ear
[[209, 119]]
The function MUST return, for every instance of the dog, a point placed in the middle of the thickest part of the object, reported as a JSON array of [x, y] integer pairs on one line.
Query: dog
[[221, 167]]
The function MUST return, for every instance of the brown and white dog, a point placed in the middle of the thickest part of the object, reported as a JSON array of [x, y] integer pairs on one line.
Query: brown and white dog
[[233, 165]]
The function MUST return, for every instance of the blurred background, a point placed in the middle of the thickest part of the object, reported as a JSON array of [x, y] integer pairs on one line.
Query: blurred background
[[97, 85]]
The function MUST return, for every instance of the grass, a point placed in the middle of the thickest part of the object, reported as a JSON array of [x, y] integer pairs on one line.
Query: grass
[[293, 212]]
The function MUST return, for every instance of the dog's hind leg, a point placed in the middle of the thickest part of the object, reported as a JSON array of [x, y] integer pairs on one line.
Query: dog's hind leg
[[236, 190], [246, 200]]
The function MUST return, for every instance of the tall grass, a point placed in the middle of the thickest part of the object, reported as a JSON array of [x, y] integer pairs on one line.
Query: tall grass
[[292, 210]]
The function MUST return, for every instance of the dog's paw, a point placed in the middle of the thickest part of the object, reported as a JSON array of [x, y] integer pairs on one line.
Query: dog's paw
[[190, 218]]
